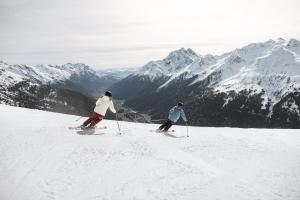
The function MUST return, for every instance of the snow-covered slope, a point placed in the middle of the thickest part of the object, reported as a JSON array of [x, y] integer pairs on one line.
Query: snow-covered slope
[[272, 66], [8, 77], [42, 159]]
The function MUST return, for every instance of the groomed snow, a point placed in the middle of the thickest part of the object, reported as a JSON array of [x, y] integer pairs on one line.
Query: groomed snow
[[42, 159]]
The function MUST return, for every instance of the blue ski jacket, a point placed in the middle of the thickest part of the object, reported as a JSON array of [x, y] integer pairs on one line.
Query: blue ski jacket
[[175, 113]]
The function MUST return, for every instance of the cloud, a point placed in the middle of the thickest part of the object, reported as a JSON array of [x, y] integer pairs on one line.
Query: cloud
[[133, 32]]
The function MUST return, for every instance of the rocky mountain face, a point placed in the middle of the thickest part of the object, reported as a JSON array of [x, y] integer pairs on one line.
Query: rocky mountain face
[[255, 86]]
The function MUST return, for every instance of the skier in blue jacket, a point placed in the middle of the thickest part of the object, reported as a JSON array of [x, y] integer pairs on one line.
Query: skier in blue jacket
[[174, 114]]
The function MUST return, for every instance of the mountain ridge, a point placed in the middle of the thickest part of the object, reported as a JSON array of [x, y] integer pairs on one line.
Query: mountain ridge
[[258, 76], [260, 80]]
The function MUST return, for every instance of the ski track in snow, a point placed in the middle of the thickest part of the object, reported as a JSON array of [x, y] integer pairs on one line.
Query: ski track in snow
[[42, 159]]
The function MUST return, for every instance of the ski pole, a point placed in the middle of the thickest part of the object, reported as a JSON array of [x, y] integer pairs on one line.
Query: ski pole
[[118, 123], [187, 130]]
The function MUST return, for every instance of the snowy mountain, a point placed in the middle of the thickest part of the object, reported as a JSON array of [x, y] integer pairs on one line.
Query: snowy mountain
[[42, 159], [255, 86], [169, 66], [70, 88], [70, 76], [273, 66], [116, 73], [263, 79]]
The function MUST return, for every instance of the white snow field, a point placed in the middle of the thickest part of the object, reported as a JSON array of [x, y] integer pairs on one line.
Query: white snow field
[[41, 159]]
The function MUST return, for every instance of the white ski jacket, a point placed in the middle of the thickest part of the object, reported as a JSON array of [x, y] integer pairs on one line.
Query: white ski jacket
[[103, 104]]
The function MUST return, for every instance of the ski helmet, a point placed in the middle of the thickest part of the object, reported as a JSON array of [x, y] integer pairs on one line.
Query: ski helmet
[[179, 103], [108, 93]]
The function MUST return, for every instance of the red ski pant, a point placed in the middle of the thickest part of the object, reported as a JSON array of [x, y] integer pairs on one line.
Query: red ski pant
[[93, 120]]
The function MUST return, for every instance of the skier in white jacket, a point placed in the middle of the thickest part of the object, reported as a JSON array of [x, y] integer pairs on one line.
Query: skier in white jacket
[[102, 104]]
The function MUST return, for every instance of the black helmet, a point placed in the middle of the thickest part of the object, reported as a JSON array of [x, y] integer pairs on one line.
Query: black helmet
[[108, 93], [179, 103]]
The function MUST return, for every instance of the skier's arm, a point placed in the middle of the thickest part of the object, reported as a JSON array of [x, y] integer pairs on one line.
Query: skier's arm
[[171, 110], [98, 101], [183, 115], [112, 108]]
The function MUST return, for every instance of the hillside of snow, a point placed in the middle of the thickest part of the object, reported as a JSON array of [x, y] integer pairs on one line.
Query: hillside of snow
[[42, 159]]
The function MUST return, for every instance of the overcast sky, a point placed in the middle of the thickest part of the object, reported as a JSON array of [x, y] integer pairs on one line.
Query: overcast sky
[[129, 33]]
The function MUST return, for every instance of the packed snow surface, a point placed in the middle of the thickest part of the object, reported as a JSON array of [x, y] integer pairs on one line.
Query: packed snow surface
[[42, 159]]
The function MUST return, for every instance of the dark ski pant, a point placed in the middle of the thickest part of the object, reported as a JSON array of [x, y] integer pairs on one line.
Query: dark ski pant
[[165, 126], [93, 120]]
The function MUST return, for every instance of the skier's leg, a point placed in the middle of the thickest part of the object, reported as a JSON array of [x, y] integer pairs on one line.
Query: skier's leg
[[88, 121], [163, 125], [94, 123], [169, 124], [96, 120]]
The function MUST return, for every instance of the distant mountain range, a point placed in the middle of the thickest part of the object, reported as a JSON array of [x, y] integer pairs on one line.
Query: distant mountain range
[[116, 73], [255, 86], [69, 88]]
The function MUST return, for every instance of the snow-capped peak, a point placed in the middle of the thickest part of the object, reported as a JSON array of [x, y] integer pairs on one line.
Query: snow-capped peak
[[186, 61], [277, 41], [181, 54], [293, 43], [170, 65], [3, 64]]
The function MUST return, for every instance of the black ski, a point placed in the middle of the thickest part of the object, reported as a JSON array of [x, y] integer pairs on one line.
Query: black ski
[[82, 129]]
